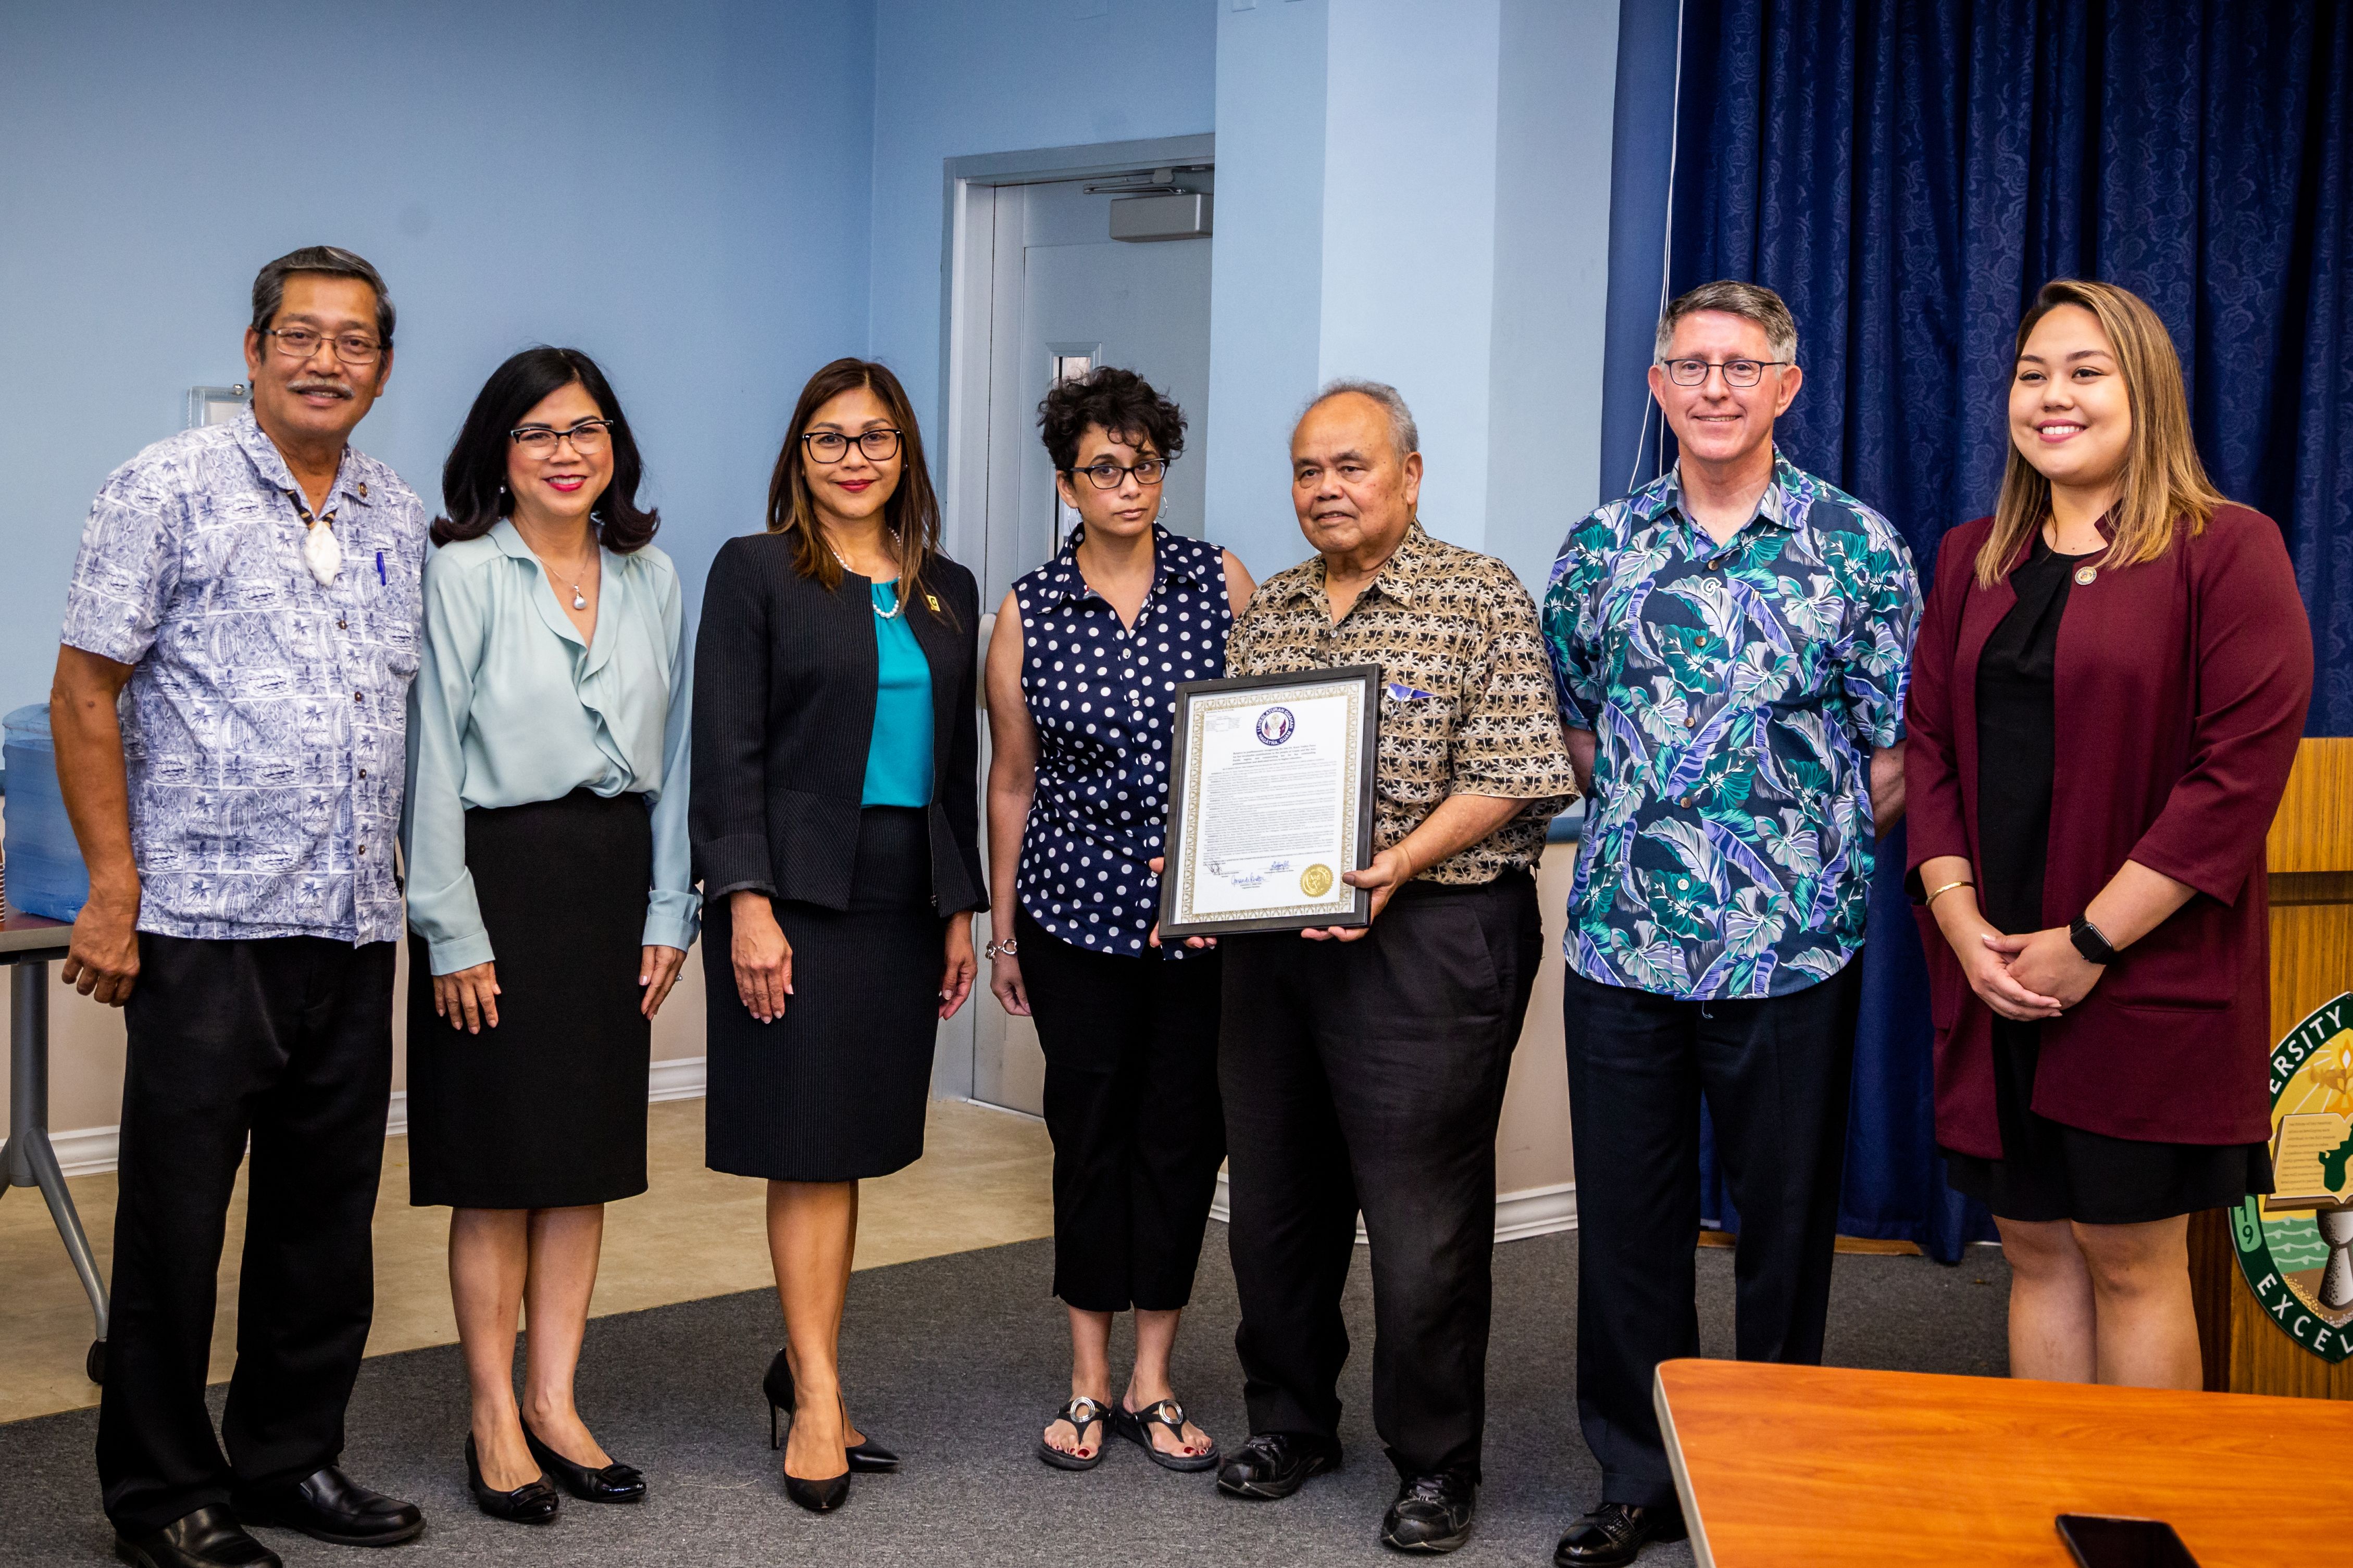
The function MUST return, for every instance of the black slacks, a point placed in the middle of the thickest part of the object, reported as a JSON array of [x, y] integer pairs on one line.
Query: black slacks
[[288, 1040], [1775, 1073], [1370, 1075], [1130, 1050]]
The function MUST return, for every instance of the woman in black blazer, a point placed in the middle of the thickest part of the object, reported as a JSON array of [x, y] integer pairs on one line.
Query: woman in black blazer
[[834, 819]]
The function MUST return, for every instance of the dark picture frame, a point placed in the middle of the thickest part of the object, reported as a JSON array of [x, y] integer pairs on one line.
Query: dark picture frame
[[1189, 695]]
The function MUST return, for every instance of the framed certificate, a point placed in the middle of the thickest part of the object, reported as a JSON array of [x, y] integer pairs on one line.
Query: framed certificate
[[1270, 799]]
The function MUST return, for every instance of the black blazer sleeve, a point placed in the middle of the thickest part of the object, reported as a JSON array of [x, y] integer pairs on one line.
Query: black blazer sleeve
[[959, 790], [727, 816]]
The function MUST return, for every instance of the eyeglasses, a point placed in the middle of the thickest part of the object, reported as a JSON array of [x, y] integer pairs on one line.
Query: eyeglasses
[[1109, 476], [832, 445], [301, 343], [588, 438], [1736, 372]]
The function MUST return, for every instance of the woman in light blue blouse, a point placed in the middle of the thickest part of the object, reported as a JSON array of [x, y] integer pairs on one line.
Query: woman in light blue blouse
[[549, 893]]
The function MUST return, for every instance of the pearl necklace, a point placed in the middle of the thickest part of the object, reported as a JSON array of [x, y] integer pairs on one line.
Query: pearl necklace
[[890, 614]]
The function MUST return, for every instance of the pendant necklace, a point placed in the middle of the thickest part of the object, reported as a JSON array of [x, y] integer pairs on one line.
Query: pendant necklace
[[890, 614]]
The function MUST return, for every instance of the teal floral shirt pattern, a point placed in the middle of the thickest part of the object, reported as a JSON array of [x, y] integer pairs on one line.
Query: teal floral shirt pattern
[[1735, 692]]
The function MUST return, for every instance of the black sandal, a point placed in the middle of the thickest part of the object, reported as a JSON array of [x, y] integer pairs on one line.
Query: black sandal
[[1135, 1425], [1081, 1413]]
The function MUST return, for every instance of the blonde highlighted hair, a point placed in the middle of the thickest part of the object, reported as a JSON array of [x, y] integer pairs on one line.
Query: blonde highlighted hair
[[2165, 484]]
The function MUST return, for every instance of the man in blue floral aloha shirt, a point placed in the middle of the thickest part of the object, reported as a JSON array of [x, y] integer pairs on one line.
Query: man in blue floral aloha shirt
[[1730, 644]]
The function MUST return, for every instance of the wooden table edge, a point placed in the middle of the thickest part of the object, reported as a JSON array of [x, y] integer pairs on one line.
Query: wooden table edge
[[1700, 1556]]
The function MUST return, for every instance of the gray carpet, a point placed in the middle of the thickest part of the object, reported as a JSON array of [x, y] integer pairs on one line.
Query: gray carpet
[[956, 1362]]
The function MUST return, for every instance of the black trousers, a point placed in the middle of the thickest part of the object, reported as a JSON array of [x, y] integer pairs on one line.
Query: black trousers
[[1775, 1073], [1369, 1075], [1130, 1050], [288, 1040]]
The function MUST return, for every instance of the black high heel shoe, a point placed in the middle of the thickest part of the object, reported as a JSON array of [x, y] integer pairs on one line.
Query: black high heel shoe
[[869, 1458], [533, 1502], [614, 1482]]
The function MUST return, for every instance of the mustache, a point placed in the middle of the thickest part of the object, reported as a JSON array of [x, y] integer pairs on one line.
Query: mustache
[[328, 385]]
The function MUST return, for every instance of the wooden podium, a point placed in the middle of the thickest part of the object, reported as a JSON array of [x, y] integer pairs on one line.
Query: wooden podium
[[2310, 859]]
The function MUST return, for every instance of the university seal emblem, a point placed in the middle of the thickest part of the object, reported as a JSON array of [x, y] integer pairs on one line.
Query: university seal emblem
[[2295, 1246]]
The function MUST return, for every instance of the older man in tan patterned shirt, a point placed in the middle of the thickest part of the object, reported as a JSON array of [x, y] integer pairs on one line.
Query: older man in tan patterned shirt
[[1365, 1069]]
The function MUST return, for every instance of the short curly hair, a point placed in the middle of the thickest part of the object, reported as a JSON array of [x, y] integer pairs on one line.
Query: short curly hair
[[1122, 401]]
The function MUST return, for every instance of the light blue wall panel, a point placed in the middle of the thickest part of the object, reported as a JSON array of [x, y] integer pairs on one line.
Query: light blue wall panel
[[954, 77], [682, 190], [1266, 290]]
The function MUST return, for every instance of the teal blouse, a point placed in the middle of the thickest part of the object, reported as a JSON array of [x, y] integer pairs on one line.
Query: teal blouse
[[898, 758], [510, 706]]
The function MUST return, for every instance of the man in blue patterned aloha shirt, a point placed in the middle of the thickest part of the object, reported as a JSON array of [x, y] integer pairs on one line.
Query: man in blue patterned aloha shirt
[[1730, 645], [230, 714]]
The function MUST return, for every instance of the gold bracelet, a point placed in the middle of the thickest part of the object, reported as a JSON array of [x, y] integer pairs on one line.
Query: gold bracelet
[[1957, 882]]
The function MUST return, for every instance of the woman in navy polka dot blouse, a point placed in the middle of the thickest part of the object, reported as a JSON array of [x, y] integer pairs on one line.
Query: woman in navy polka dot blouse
[[1082, 670]]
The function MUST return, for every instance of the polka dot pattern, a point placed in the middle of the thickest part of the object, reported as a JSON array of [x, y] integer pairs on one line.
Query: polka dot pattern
[[1102, 697]]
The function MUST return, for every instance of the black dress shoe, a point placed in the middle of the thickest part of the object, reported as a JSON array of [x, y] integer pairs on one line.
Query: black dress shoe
[[328, 1505], [1615, 1533], [1432, 1514], [533, 1502], [866, 1458], [1273, 1465], [614, 1482], [208, 1537]]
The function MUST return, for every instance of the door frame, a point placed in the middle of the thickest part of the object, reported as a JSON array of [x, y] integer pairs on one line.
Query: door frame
[[967, 298]]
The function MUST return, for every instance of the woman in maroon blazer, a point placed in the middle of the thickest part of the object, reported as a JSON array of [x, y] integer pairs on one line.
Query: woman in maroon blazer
[[2106, 696]]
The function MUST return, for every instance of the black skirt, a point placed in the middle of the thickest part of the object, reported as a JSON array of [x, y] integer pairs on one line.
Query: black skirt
[[2050, 1171], [548, 1110], [835, 1089]]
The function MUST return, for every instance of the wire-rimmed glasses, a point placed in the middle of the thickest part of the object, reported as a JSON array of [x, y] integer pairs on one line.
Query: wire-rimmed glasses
[[1736, 372], [588, 438], [301, 343]]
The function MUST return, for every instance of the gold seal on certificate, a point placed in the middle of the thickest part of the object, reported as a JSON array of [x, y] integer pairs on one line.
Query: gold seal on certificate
[[1270, 799]]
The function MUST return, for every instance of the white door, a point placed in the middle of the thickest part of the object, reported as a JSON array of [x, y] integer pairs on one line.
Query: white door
[[1064, 297]]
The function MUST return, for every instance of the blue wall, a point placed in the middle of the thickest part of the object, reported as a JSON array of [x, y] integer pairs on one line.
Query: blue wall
[[953, 78], [679, 189]]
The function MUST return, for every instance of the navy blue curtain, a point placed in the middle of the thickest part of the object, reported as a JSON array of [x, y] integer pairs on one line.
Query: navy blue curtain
[[1906, 174]]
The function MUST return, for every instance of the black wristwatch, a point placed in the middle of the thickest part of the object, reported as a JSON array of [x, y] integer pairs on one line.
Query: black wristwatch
[[2095, 948]]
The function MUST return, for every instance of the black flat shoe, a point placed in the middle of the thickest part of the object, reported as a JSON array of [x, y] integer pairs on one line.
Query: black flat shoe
[[533, 1502], [328, 1505], [208, 1537], [1615, 1533], [1136, 1425], [1432, 1514], [866, 1458], [614, 1482], [1273, 1465], [1081, 1413]]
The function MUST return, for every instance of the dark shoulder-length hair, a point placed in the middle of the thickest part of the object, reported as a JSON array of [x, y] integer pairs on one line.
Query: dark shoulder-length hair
[[474, 479], [911, 515]]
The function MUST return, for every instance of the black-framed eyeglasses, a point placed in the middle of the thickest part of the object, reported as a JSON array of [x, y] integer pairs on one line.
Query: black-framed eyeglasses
[[301, 343], [588, 438], [1109, 476], [832, 445], [1736, 372]]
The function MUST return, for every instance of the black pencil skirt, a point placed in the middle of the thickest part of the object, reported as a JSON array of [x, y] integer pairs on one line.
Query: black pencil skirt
[[835, 1089], [548, 1110]]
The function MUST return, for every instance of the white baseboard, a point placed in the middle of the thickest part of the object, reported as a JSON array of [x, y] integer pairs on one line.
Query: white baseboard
[[1533, 1211], [92, 1150]]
